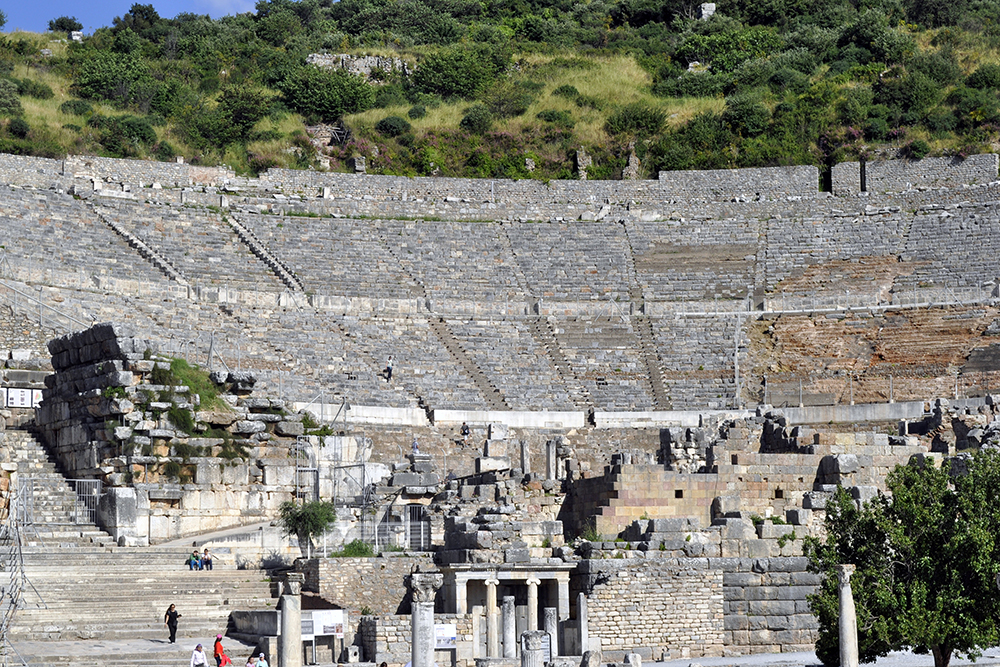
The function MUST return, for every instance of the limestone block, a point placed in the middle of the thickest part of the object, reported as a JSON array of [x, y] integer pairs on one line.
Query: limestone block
[[864, 493], [497, 431], [247, 426], [845, 464], [289, 428], [207, 472], [492, 464], [772, 531], [798, 517], [726, 506], [216, 417]]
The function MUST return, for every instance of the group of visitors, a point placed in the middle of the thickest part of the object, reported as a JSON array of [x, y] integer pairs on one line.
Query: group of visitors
[[198, 658], [199, 561]]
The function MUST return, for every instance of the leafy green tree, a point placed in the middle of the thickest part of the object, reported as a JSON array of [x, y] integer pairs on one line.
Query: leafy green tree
[[306, 520], [326, 94], [110, 76], [65, 24], [460, 71], [3, 19], [927, 559]]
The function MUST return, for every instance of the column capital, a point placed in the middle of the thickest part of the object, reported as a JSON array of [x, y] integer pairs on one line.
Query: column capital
[[844, 573], [533, 639], [533, 580], [425, 585], [492, 581]]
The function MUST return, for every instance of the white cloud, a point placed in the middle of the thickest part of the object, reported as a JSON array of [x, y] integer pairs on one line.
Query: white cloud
[[217, 8]]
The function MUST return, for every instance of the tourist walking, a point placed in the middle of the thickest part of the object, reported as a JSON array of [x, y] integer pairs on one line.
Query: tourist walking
[[388, 369], [217, 651], [198, 658], [262, 661], [170, 620]]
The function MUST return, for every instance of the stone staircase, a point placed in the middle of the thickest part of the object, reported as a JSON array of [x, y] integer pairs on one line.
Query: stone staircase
[[258, 248], [123, 592], [83, 587], [54, 514], [155, 258]]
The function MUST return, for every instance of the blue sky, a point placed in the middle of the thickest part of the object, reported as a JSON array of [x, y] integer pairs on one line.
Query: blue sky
[[34, 16]]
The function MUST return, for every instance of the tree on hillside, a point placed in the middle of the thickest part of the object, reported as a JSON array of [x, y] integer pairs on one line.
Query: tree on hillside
[[306, 520], [326, 95], [927, 560], [65, 24]]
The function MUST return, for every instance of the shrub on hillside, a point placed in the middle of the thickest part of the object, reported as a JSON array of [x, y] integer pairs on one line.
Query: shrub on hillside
[[917, 149], [477, 120], [559, 118], [985, 77], [326, 95], [567, 91], [31, 88], [746, 116], [417, 111], [19, 127], [637, 118], [392, 126], [10, 105]]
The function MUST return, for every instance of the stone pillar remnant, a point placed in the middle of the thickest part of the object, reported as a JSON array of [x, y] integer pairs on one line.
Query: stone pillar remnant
[[551, 620], [533, 602], [848, 618], [532, 654], [581, 615], [290, 639], [492, 622], [424, 587], [509, 628]]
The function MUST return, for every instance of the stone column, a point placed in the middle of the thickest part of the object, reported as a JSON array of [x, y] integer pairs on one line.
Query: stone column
[[461, 595], [532, 655], [533, 603], [563, 583], [525, 457], [509, 628], [424, 587], [492, 622], [290, 639], [848, 618], [551, 620], [550, 459], [581, 615]]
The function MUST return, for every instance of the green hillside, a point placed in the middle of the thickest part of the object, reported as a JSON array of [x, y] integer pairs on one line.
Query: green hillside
[[493, 86]]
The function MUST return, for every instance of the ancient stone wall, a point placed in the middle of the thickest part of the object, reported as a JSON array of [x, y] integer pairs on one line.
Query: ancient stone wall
[[669, 608], [387, 639], [882, 176], [660, 609], [376, 583]]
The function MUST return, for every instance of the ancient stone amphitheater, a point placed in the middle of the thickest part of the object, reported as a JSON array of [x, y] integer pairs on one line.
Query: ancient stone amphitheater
[[629, 334], [698, 290]]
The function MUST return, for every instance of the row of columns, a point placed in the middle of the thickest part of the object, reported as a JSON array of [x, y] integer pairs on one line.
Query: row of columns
[[501, 626]]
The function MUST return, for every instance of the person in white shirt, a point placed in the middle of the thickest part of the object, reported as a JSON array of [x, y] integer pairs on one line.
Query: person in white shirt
[[198, 658]]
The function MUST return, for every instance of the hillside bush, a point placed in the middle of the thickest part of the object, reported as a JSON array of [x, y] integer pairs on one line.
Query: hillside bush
[[477, 120], [32, 88], [985, 77], [567, 91], [10, 104], [326, 95], [392, 126], [417, 111], [19, 127], [746, 116], [76, 108], [638, 119]]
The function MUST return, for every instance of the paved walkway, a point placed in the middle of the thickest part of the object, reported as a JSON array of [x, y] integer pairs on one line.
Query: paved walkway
[[897, 659], [94, 651]]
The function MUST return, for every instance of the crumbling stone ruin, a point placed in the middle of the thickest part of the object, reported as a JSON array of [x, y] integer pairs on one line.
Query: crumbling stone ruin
[[663, 380]]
